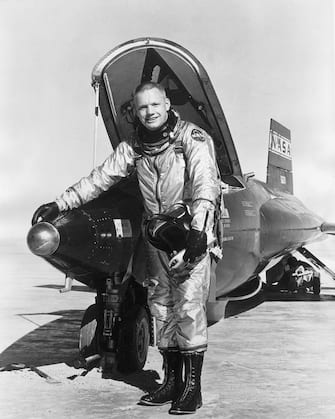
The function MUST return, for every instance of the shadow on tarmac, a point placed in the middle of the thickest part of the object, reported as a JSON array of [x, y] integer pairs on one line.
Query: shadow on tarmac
[[295, 296], [57, 342], [52, 343], [234, 308]]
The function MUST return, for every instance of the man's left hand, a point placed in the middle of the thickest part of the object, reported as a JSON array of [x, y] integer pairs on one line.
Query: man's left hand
[[196, 245]]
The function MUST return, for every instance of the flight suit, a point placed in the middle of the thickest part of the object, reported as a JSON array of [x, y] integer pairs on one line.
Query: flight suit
[[179, 168]]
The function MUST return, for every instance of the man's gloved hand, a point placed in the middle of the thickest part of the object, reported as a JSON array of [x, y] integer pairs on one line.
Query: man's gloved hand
[[196, 245], [46, 212]]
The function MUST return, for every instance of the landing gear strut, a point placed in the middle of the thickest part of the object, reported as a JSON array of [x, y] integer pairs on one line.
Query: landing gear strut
[[111, 322], [115, 331]]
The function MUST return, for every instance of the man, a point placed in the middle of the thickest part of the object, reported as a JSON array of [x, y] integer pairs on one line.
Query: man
[[175, 163]]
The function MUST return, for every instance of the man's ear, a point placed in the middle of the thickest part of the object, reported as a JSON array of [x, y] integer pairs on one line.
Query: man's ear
[[168, 104]]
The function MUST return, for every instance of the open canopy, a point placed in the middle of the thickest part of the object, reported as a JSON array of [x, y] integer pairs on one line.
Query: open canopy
[[187, 85]]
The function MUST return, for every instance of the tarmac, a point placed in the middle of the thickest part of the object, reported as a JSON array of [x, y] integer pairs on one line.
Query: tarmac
[[276, 360]]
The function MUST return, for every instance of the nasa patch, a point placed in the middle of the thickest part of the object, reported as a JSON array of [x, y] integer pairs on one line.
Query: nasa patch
[[197, 135]]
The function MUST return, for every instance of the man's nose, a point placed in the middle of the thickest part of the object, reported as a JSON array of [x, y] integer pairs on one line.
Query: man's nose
[[150, 110]]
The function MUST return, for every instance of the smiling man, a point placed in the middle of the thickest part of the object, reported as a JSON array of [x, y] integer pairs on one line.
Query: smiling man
[[175, 165], [151, 105]]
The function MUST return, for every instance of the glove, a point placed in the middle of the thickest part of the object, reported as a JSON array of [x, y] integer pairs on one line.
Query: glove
[[46, 212], [196, 245]]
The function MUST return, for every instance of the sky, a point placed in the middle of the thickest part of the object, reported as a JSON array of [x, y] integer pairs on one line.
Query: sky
[[266, 59]]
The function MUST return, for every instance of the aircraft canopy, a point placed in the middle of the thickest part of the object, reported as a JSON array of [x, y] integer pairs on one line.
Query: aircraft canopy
[[187, 85]]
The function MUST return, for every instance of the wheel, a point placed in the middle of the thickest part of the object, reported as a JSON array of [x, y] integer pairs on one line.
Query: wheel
[[88, 338], [316, 285], [134, 338]]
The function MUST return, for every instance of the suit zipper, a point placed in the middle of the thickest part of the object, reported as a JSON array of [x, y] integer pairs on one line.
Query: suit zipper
[[158, 197]]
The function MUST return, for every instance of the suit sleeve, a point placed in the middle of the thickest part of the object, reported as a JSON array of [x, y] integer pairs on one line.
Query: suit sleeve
[[204, 177], [117, 166]]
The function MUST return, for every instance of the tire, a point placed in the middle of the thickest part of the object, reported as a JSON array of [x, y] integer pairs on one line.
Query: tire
[[88, 337], [134, 340], [316, 285]]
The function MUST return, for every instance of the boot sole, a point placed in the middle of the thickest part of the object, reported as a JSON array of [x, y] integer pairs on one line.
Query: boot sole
[[147, 403], [184, 412]]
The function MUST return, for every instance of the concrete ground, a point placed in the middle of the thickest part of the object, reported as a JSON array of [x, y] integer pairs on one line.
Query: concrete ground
[[274, 361]]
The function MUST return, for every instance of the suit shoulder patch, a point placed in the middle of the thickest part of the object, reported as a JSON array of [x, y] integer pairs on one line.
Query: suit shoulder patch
[[197, 135]]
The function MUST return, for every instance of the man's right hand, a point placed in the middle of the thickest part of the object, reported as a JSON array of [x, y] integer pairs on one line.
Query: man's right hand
[[46, 212], [177, 261]]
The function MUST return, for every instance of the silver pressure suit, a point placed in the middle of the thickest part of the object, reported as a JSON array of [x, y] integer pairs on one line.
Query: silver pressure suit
[[181, 168]]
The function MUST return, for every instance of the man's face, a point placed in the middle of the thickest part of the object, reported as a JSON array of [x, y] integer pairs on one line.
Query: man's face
[[152, 108]]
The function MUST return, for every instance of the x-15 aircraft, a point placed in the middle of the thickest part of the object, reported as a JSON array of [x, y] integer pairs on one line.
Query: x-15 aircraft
[[97, 244]]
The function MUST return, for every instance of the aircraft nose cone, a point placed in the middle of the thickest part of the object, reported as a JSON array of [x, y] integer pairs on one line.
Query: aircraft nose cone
[[43, 239]]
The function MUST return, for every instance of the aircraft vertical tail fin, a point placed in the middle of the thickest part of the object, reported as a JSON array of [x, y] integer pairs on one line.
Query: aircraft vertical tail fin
[[279, 170]]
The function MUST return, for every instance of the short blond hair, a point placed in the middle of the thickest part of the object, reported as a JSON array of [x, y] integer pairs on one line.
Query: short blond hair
[[148, 85]]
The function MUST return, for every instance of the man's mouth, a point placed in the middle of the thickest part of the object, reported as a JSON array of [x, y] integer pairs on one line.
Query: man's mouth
[[150, 120]]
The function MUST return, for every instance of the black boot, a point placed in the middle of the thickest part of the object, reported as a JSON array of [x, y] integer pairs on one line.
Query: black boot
[[172, 384], [190, 399]]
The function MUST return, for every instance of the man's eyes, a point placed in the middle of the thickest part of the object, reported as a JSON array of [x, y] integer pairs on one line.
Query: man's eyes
[[151, 104]]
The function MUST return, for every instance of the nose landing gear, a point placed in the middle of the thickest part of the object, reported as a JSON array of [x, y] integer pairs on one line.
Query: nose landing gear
[[113, 334]]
